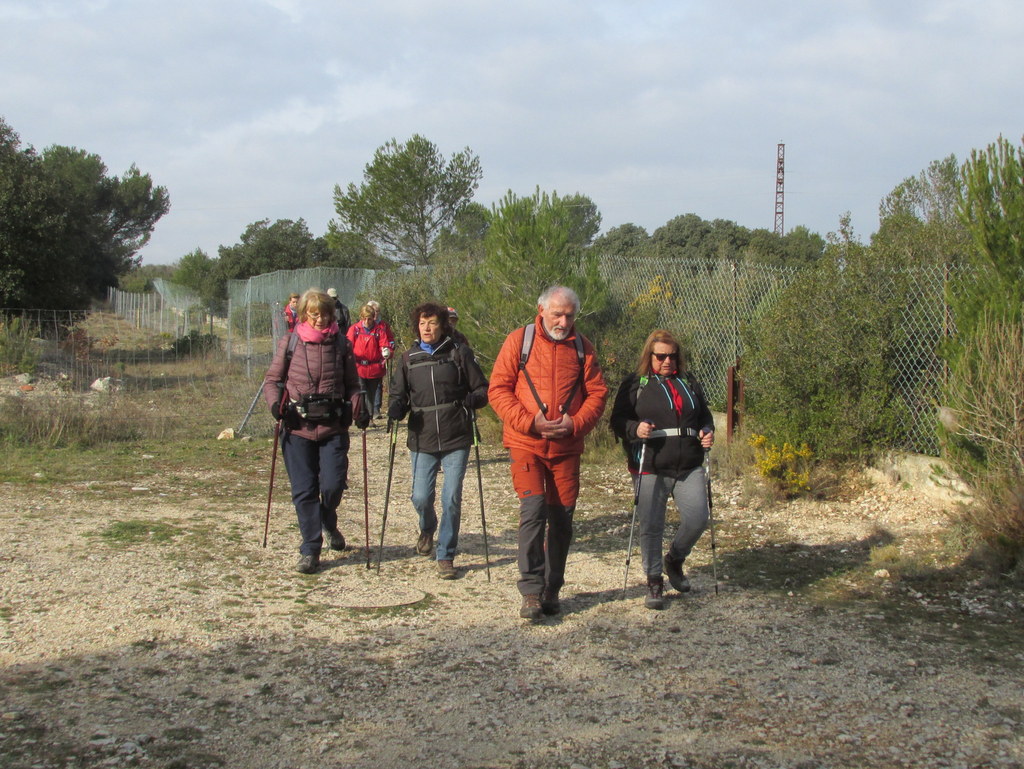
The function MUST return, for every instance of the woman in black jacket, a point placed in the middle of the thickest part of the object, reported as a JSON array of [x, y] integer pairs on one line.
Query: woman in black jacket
[[437, 382], [661, 411]]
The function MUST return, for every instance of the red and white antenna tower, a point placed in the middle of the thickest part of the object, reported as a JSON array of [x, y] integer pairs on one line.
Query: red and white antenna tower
[[780, 175]]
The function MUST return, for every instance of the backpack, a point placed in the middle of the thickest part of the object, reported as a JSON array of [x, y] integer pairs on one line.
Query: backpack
[[529, 333]]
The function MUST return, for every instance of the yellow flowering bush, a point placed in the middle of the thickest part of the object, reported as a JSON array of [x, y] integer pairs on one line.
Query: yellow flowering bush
[[788, 467], [658, 294]]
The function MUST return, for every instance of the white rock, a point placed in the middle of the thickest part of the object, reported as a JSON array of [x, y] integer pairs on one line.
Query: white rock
[[228, 434]]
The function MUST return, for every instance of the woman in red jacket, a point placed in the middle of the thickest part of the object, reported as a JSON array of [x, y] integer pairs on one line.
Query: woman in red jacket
[[372, 343]]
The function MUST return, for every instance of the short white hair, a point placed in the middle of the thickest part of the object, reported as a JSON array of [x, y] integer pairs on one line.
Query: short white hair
[[564, 291]]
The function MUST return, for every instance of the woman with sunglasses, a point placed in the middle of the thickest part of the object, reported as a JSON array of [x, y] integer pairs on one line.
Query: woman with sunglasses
[[662, 414]]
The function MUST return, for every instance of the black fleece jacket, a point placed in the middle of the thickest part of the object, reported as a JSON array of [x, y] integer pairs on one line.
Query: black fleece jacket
[[650, 400]]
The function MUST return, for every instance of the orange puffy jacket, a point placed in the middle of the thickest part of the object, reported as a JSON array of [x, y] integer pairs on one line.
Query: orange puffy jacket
[[554, 368]]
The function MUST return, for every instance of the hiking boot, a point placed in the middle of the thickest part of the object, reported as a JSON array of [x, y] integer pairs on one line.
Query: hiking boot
[[308, 564], [425, 544], [655, 593], [674, 569], [549, 603], [336, 538], [446, 570], [531, 607]]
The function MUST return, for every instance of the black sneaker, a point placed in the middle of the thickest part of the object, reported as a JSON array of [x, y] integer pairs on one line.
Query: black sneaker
[[549, 603], [336, 538], [425, 544], [674, 569], [531, 607], [308, 564], [655, 598]]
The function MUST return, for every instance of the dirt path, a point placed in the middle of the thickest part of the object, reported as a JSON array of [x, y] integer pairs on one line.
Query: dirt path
[[141, 625]]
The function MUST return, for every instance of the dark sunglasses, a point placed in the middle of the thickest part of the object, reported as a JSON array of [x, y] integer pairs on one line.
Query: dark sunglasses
[[663, 355]]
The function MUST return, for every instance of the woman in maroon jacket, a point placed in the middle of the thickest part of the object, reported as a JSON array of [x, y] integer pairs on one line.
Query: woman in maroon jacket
[[313, 388]]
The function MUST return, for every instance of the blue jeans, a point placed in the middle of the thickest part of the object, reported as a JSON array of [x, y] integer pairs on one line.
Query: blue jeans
[[424, 492], [318, 471]]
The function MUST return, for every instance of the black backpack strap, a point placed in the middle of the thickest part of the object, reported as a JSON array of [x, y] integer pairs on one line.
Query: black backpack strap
[[579, 379], [524, 355]]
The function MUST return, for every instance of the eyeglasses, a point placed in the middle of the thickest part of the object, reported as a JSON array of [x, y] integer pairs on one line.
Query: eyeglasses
[[661, 356], [317, 315]]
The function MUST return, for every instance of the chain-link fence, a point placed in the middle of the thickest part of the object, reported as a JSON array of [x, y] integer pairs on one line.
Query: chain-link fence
[[256, 304], [169, 309], [705, 302], [708, 303]]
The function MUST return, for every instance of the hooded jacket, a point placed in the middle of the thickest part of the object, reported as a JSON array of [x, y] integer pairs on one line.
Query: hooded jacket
[[554, 369], [438, 390]]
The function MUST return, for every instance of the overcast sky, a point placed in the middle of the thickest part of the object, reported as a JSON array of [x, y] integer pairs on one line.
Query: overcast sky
[[255, 109]]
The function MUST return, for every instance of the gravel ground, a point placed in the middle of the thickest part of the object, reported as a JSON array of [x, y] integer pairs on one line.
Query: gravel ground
[[183, 643]]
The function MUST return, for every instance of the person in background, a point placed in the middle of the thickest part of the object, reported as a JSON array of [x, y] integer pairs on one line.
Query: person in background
[[663, 405], [457, 335], [548, 404], [291, 312], [340, 310], [386, 352], [438, 383], [370, 340], [313, 389]]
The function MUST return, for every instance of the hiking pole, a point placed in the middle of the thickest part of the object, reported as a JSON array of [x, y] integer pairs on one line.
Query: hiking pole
[[393, 437], [636, 504], [273, 466], [366, 500], [480, 487], [711, 518]]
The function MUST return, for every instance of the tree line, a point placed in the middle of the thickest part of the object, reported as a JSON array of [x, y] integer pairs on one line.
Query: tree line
[[68, 229], [827, 378]]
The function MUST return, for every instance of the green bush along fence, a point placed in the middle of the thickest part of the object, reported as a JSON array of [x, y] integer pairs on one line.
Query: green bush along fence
[[707, 303]]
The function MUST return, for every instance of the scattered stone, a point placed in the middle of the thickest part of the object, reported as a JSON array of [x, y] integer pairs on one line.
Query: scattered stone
[[105, 385], [228, 434]]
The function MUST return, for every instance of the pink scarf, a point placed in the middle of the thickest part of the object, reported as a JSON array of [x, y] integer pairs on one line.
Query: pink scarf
[[314, 335]]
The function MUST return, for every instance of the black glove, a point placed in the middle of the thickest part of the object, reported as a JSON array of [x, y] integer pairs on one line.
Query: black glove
[[275, 411], [396, 410], [360, 411], [475, 401]]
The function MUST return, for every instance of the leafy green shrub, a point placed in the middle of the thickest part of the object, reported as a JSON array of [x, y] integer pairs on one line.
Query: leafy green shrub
[[984, 437], [195, 343], [18, 353], [821, 363]]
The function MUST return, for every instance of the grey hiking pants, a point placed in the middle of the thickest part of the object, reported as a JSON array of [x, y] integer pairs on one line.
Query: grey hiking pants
[[689, 491]]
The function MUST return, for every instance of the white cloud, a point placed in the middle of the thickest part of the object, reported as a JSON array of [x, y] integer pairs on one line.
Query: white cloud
[[251, 110]]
